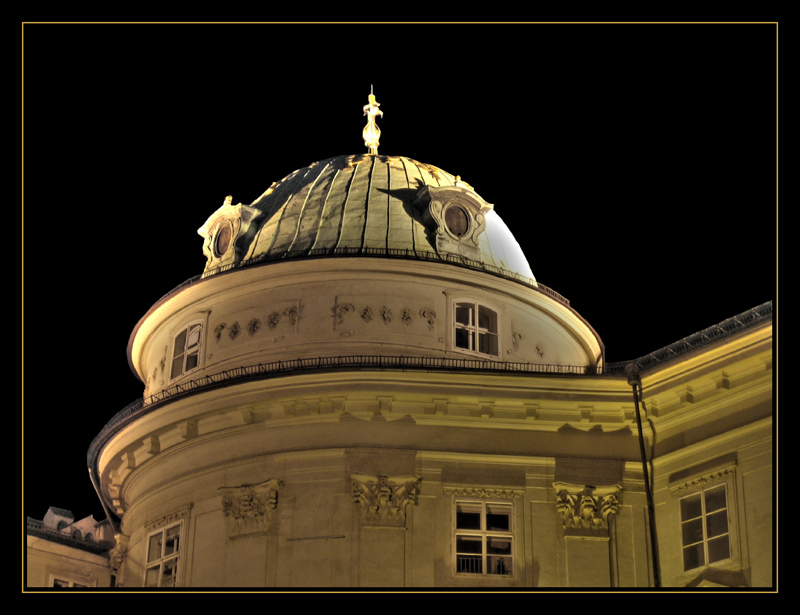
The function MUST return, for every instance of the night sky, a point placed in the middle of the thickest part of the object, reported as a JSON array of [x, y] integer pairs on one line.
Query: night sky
[[635, 164]]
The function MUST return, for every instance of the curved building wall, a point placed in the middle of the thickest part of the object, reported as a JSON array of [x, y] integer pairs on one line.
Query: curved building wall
[[351, 307]]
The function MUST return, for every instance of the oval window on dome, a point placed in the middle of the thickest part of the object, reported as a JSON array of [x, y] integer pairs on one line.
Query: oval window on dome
[[222, 241], [457, 220]]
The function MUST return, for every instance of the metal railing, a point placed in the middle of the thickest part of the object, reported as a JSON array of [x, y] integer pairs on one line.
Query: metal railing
[[392, 253], [727, 327]]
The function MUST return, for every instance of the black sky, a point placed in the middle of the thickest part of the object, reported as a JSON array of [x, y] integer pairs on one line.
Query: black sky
[[635, 164]]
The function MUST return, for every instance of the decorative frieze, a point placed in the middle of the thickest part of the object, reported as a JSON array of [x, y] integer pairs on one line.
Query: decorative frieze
[[702, 481], [488, 493], [248, 508], [382, 500], [586, 507]]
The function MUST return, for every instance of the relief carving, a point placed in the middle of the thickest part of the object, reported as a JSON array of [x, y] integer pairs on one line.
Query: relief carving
[[382, 500], [386, 314], [367, 314], [248, 508], [235, 330], [340, 309], [273, 320], [218, 330], [253, 326], [516, 337], [117, 557], [429, 316], [293, 314], [405, 316], [586, 508]]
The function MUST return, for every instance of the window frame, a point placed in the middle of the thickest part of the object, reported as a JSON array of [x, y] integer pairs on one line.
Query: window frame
[[196, 350], [474, 331], [484, 534], [703, 518], [70, 582], [164, 559]]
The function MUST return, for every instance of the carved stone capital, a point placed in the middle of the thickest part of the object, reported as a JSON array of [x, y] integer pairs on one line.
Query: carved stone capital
[[248, 508], [586, 507], [382, 500]]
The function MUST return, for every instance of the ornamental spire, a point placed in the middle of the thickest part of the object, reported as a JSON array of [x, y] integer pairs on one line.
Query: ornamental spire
[[371, 132]]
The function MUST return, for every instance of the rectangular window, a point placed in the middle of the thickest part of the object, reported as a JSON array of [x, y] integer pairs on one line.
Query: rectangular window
[[163, 556], [186, 350], [484, 537], [476, 328], [67, 583], [704, 527]]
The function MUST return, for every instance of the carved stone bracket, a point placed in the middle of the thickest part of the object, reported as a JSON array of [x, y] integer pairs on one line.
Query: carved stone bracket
[[586, 507], [117, 557], [382, 500], [248, 508]]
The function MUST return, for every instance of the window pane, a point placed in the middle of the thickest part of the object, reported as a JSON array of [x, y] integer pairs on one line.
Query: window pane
[[693, 557], [154, 548], [463, 338], [172, 542], [498, 517], [194, 337], [464, 312], [718, 549], [488, 343], [177, 367], [692, 531], [180, 343], [169, 573], [717, 524], [499, 565], [487, 319], [498, 546], [469, 544], [191, 361], [468, 516], [456, 220], [715, 499], [469, 563], [691, 507], [151, 578]]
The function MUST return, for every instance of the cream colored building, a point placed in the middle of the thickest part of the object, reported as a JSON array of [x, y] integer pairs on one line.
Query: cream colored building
[[64, 552], [367, 387]]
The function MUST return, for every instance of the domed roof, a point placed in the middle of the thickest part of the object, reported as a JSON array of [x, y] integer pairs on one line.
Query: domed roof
[[366, 204]]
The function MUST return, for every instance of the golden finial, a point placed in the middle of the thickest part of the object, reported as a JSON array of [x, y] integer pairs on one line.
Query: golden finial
[[371, 132]]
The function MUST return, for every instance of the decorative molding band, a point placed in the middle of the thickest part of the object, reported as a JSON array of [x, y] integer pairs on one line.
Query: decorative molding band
[[248, 508], [486, 493], [702, 481], [382, 500], [181, 515], [586, 507]]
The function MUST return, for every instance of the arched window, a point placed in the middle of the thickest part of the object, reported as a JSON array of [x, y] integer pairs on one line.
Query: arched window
[[475, 328], [186, 350]]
